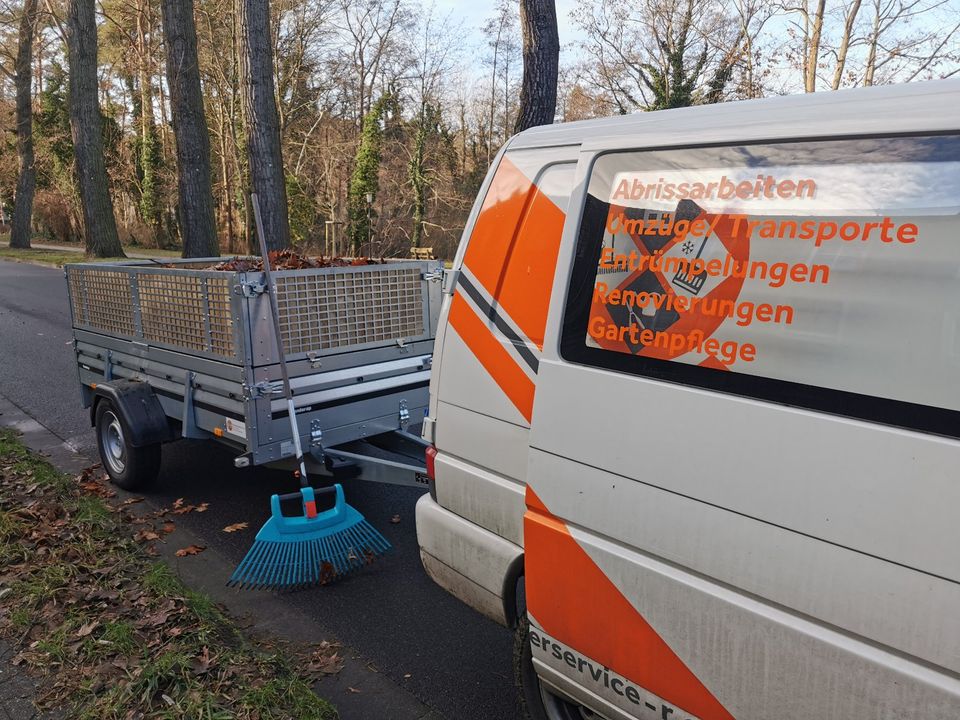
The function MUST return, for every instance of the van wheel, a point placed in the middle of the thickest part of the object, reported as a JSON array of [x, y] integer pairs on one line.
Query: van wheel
[[130, 468], [536, 701]]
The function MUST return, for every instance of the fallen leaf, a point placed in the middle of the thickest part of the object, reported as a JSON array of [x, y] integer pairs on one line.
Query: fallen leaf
[[325, 660], [352, 689], [201, 664], [190, 550], [328, 573], [202, 507], [168, 527], [235, 527], [87, 629], [146, 536], [178, 503]]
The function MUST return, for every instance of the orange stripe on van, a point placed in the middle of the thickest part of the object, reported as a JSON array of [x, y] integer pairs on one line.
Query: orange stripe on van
[[504, 370], [577, 604], [513, 248]]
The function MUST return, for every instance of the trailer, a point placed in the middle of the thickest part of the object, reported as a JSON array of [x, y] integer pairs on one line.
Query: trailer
[[182, 350]]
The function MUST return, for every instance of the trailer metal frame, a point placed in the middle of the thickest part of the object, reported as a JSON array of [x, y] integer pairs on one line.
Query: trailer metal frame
[[358, 342]]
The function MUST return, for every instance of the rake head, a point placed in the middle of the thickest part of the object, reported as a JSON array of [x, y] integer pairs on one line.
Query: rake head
[[309, 549]]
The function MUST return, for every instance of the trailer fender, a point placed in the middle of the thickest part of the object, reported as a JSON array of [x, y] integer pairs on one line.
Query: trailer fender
[[139, 408]]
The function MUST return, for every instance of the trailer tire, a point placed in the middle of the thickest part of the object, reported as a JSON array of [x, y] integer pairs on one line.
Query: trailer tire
[[131, 468], [536, 702]]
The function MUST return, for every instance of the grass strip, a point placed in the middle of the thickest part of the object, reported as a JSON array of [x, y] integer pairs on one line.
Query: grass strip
[[114, 632]]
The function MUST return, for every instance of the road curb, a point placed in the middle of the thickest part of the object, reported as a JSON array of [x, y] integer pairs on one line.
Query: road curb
[[358, 691]]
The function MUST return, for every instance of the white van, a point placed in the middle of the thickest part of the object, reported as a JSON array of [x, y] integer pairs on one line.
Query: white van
[[695, 411]]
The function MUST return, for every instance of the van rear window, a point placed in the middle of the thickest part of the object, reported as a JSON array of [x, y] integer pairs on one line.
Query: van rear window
[[823, 275]]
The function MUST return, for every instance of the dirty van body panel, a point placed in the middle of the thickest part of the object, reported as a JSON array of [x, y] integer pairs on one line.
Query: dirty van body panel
[[449, 288], [484, 378], [735, 548], [497, 319]]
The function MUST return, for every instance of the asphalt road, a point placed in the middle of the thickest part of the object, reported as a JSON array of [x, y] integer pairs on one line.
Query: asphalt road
[[458, 662]]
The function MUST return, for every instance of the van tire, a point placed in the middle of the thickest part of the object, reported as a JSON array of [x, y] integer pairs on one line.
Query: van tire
[[528, 684], [530, 694], [130, 468]]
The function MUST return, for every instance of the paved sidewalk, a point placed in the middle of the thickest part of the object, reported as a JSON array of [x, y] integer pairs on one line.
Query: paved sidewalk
[[17, 691]]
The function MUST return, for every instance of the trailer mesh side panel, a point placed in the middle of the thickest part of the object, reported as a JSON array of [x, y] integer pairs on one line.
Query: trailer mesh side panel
[[101, 300], [321, 312], [221, 316], [186, 311], [171, 310]]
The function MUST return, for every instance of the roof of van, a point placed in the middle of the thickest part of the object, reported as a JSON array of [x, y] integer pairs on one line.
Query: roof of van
[[914, 107]]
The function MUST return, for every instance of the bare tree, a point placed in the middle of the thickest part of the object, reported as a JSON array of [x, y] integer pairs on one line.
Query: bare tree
[[86, 123], [910, 39], [666, 53], [21, 230], [371, 49], [501, 34], [541, 61], [432, 58], [198, 225], [263, 122], [852, 42]]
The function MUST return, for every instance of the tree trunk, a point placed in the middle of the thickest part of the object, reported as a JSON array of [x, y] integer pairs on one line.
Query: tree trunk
[[541, 58], [263, 123], [86, 124], [493, 93], [845, 44], [418, 177], [20, 232], [872, 53], [197, 217], [813, 53], [151, 152]]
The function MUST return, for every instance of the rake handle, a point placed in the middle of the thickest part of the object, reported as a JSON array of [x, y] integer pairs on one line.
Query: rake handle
[[278, 337], [320, 491]]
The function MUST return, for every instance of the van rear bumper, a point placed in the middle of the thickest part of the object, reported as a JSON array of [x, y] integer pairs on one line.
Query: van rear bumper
[[469, 562]]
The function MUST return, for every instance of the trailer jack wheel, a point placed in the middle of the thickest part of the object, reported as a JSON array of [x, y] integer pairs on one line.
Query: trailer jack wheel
[[130, 468], [536, 700]]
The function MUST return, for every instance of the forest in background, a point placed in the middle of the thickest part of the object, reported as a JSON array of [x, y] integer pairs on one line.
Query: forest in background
[[390, 111]]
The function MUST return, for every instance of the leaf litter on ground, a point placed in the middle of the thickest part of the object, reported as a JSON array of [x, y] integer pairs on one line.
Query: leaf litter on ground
[[291, 260], [114, 633]]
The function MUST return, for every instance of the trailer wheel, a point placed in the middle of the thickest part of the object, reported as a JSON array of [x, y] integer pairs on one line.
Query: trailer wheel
[[536, 701], [129, 467]]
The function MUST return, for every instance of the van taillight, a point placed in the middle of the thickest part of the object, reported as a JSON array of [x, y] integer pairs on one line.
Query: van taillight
[[431, 462]]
